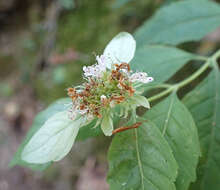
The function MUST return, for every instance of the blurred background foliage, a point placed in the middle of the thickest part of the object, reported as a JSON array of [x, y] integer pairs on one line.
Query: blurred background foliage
[[51, 40], [43, 46]]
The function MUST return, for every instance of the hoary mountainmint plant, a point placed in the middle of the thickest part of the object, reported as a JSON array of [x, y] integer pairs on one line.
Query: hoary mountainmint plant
[[172, 145], [109, 83]]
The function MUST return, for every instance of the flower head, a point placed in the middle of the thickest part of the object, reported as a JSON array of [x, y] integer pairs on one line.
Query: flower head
[[109, 82]]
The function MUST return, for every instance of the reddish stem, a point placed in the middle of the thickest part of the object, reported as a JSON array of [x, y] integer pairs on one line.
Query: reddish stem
[[120, 129]]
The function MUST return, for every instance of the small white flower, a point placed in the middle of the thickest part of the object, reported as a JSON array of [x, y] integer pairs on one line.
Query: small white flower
[[82, 112], [103, 97], [94, 70], [72, 114], [147, 80], [140, 77], [97, 69], [101, 60], [75, 110]]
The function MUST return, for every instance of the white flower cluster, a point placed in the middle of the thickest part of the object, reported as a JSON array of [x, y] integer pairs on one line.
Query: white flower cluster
[[97, 69], [140, 77], [75, 111]]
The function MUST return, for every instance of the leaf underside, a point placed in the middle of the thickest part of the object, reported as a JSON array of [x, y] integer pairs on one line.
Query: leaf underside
[[39, 120], [58, 106], [53, 140]]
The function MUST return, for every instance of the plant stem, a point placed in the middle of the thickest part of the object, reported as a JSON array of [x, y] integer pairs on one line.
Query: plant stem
[[216, 56], [201, 58], [194, 75], [164, 85], [188, 80], [157, 96]]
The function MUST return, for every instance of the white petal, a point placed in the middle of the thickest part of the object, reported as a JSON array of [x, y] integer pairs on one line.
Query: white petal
[[107, 125], [53, 140], [120, 49], [148, 79]]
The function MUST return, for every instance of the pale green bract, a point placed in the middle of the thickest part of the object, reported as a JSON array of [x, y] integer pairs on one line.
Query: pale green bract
[[138, 100], [120, 49], [53, 140], [107, 124]]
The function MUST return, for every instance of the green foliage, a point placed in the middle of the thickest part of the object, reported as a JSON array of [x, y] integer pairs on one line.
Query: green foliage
[[58, 106], [107, 124], [6, 89], [173, 24], [141, 159], [204, 104], [163, 153], [87, 29], [138, 100], [38, 122], [119, 3], [53, 140], [68, 4], [160, 62], [183, 21], [177, 126]]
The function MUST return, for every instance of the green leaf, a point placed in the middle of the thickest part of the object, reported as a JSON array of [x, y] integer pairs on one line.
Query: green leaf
[[58, 106], [204, 104], [141, 159], [89, 131], [38, 122], [177, 126], [183, 21], [107, 124], [138, 100], [53, 140], [160, 62]]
